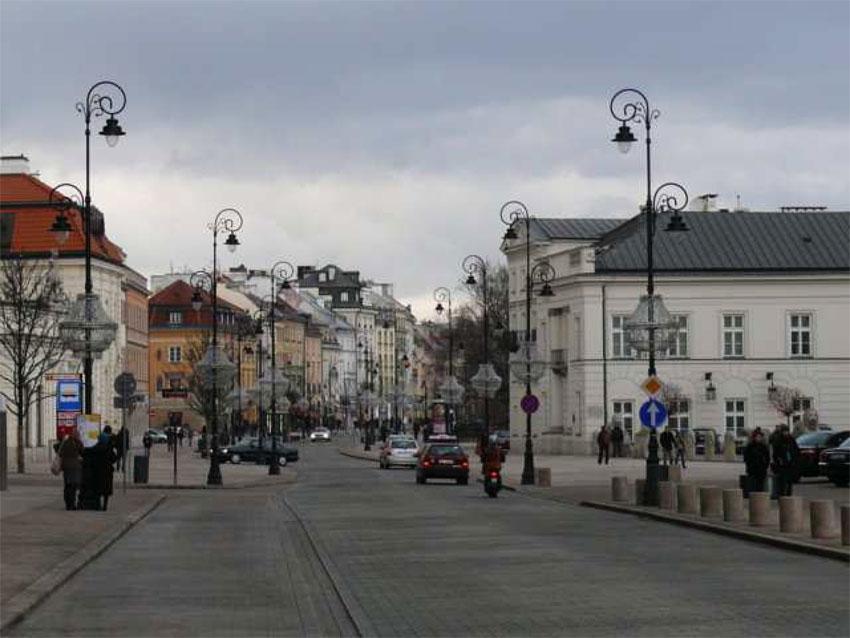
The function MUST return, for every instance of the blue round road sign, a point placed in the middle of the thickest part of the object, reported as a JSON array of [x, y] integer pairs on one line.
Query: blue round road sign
[[653, 414], [529, 404]]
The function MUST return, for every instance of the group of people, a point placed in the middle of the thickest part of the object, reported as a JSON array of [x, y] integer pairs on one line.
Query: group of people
[[779, 454], [672, 445], [87, 472]]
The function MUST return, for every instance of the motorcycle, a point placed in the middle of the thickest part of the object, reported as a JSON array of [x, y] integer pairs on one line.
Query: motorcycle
[[492, 483]]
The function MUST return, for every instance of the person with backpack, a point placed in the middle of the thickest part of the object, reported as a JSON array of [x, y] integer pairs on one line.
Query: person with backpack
[[70, 453]]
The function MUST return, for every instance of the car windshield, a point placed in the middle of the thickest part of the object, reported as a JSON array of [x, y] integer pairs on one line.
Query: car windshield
[[403, 445], [443, 450], [813, 438], [845, 445]]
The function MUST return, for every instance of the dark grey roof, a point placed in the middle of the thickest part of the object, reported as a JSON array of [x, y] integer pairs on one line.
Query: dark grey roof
[[575, 228], [734, 241]]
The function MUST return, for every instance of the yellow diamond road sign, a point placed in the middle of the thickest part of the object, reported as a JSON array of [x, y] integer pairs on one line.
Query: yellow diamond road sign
[[652, 385]]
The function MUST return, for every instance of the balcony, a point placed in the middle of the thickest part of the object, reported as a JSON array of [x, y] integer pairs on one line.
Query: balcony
[[559, 362]]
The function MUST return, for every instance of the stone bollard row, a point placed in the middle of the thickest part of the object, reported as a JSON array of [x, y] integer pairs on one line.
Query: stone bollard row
[[619, 489], [686, 498], [667, 495], [790, 514], [544, 477], [733, 506], [845, 524], [711, 501], [759, 509], [674, 474], [823, 519]]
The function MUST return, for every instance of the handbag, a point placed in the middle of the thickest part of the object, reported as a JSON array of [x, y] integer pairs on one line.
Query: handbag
[[56, 465]]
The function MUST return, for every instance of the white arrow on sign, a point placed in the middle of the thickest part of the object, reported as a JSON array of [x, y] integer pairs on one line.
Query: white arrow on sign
[[653, 412]]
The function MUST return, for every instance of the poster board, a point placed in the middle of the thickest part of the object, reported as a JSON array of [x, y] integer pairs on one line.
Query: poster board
[[88, 425]]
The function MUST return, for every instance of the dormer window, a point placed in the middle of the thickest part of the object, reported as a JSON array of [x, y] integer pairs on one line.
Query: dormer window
[[323, 277], [175, 318], [331, 273]]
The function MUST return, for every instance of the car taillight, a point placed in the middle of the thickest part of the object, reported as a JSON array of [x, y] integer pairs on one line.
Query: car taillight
[[464, 463], [494, 475], [426, 462]]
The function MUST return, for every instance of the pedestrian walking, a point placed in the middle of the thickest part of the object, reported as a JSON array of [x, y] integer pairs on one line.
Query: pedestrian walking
[[191, 434], [122, 446], [679, 444], [603, 440], [103, 458], [756, 461], [666, 440], [147, 441], [70, 452], [180, 435], [617, 437], [785, 462]]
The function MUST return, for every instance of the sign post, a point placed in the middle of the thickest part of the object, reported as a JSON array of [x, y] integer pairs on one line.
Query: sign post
[[125, 387]]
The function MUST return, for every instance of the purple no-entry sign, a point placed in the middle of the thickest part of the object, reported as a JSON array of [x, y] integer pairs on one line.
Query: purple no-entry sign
[[529, 404]]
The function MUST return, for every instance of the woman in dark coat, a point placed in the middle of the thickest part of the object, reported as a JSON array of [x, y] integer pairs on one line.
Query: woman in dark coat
[[103, 457], [757, 461]]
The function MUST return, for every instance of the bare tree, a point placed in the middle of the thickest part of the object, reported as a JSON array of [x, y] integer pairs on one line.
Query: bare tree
[[200, 395], [31, 304], [785, 400]]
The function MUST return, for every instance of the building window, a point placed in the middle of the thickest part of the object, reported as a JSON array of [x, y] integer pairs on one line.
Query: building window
[[679, 343], [175, 318], [801, 407], [800, 335], [735, 416], [323, 277], [343, 296], [678, 414], [619, 348], [624, 415], [175, 354], [733, 336]]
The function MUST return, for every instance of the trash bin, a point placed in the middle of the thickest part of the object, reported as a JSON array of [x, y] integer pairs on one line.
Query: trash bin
[[140, 469]]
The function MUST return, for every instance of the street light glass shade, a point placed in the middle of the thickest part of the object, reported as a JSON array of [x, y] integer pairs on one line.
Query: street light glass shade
[[624, 147], [651, 317], [87, 327], [232, 242], [624, 139], [526, 365], [112, 131], [486, 382], [281, 386], [197, 302], [215, 367], [451, 391], [470, 281], [62, 227]]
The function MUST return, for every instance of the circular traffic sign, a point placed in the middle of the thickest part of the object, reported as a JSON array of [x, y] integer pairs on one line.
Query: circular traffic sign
[[529, 404], [125, 384]]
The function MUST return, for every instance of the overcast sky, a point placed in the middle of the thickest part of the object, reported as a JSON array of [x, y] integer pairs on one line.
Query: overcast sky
[[384, 137]]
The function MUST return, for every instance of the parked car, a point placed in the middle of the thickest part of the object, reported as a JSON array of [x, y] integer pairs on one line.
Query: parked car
[[835, 464], [157, 436], [811, 445], [250, 451], [443, 460], [398, 450], [699, 440], [320, 434]]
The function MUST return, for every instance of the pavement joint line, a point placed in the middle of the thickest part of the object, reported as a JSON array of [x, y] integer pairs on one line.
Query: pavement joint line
[[19, 606], [361, 622], [284, 480], [742, 534]]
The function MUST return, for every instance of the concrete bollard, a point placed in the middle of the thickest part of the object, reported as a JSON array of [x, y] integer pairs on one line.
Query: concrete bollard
[[790, 514], [845, 524], [823, 519], [733, 506], [619, 489], [667, 495], [759, 509], [674, 474], [711, 501], [686, 498], [640, 489], [544, 477]]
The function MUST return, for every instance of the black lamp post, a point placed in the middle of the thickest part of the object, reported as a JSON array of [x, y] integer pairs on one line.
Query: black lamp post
[[450, 390], [279, 274], [259, 318], [226, 220], [87, 321], [369, 394], [650, 316]]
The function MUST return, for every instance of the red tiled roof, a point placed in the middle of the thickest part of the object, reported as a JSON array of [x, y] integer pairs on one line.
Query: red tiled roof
[[31, 226], [178, 296]]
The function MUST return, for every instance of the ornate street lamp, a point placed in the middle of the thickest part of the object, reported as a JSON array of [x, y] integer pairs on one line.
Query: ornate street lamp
[[451, 391], [85, 323], [650, 320]]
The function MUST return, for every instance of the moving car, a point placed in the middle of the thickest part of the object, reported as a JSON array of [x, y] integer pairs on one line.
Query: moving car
[[250, 451], [320, 434], [835, 464], [443, 460], [811, 445], [157, 436], [398, 450]]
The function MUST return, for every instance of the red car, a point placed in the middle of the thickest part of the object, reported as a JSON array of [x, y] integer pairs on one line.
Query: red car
[[444, 461]]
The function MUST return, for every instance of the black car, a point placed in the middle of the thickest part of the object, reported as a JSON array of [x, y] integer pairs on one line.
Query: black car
[[811, 445], [250, 451], [443, 460], [835, 464]]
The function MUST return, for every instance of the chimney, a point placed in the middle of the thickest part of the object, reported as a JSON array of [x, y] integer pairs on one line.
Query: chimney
[[705, 203], [15, 165]]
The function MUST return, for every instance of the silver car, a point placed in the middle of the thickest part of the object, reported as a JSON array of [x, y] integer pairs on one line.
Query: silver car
[[398, 450]]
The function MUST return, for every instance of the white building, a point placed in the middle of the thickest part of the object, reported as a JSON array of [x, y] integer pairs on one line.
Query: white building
[[761, 299]]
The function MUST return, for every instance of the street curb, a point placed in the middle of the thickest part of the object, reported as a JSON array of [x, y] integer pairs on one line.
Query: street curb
[[742, 534], [355, 455], [18, 607], [355, 611]]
